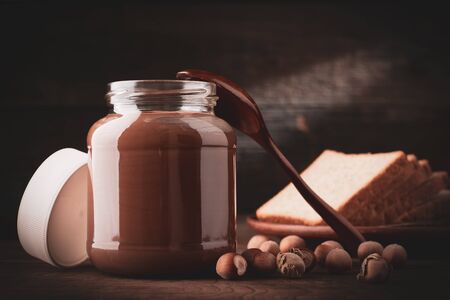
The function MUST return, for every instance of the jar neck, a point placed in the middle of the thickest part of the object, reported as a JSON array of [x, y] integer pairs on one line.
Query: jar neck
[[162, 95], [130, 108]]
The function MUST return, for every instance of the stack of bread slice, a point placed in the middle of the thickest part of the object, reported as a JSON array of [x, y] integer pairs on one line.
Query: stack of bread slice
[[368, 189]]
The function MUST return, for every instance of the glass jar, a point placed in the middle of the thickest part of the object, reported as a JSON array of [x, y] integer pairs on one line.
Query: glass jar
[[162, 180]]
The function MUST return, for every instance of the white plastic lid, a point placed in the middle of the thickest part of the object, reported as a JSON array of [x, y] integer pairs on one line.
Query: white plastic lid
[[52, 219]]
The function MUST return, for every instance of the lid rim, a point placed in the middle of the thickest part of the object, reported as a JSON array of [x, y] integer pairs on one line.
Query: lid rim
[[39, 198]]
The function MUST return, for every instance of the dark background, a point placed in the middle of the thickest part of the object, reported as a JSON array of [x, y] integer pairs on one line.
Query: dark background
[[357, 77]]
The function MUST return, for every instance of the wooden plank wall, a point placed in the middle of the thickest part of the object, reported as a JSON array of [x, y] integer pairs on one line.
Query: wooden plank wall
[[354, 77]]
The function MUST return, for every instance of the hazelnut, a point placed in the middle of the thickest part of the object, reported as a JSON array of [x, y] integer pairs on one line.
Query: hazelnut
[[250, 254], [374, 269], [323, 249], [291, 241], [338, 261], [308, 257], [369, 247], [231, 266], [256, 241], [264, 263], [333, 244], [395, 255], [270, 246], [291, 265]]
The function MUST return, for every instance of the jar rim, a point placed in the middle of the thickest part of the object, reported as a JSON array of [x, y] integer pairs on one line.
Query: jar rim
[[152, 81], [157, 92], [163, 86]]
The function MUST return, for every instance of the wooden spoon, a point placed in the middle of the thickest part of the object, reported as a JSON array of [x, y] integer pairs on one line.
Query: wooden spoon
[[240, 111]]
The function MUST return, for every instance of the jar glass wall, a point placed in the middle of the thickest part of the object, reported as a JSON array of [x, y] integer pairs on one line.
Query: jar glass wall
[[162, 180]]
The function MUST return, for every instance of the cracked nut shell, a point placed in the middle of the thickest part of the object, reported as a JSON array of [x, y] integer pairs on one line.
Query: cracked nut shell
[[291, 265], [374, 269], [308, 257], [231, 266]]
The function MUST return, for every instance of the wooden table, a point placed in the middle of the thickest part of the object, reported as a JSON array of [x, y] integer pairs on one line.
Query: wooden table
[[22, 276]]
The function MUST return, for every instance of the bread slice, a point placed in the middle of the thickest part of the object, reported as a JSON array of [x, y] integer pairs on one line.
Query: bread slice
[[435, 211], [398, 199], [423, 208], [425, 165], [413, 159], [422, 164], [395, 198], [351, 183]]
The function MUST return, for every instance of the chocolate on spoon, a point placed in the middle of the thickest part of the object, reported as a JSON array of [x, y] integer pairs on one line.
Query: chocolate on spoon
[[238, 108]]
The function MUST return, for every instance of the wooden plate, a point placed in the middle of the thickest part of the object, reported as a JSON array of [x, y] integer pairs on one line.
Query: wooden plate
[[416, 237]]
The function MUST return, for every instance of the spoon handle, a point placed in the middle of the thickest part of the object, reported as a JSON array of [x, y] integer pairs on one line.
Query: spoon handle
[[350, 236]]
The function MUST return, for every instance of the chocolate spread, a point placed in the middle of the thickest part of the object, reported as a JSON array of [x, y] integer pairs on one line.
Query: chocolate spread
[[161, 192]]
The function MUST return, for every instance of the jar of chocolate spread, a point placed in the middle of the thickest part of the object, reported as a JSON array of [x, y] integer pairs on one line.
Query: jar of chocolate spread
[[162, 180]]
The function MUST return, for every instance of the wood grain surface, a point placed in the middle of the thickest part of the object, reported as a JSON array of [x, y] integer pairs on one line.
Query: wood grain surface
[[23, 277]]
